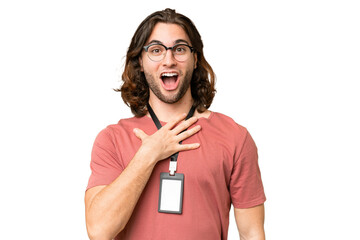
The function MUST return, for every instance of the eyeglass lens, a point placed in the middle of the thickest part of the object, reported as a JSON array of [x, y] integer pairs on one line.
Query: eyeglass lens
[[157, 52]]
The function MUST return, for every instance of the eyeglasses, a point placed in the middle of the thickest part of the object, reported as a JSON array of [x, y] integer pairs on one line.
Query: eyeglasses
[[157, 51]]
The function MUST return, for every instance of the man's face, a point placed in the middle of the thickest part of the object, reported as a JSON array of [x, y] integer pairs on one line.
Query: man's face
[[168, 79]]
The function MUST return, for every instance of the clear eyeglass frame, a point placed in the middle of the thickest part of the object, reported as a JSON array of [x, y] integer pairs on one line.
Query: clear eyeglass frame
[[157, 51]]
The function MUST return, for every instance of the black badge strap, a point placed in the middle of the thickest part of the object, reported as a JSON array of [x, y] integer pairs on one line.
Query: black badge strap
[[173, 158]]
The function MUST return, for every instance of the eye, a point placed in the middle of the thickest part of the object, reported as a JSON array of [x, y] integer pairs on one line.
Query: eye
[[180, 49], [156, 50]]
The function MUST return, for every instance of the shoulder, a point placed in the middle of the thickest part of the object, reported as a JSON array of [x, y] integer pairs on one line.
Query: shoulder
[[223, 128], [232, 130], [237, 134], [124, 126], [226, 122]]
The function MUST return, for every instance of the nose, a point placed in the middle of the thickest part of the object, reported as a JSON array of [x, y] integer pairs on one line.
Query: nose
[[169, 59]]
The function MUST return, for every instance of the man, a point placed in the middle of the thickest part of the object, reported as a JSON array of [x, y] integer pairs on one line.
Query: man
[[165, 76]]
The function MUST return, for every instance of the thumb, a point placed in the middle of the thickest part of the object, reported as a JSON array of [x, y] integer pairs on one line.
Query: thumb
[[139, 133]]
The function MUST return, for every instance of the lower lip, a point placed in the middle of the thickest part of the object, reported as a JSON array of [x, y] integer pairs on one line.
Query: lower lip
[[171, 87]]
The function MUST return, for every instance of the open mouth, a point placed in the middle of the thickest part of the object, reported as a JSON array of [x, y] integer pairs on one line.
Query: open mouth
[[169, 81]]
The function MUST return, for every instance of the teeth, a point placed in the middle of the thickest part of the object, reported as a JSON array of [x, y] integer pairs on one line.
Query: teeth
[[169, 74]]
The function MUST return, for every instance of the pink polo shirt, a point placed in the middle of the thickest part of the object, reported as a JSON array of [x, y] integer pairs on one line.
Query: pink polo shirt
[[222, 171]]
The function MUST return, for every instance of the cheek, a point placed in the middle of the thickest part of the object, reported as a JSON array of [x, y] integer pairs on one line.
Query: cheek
[[149, 66], [191, 66]]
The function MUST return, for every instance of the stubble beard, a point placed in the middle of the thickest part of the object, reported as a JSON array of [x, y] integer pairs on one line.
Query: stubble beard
[[155, 88]]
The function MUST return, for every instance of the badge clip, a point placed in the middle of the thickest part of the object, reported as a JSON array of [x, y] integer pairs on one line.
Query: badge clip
[[172, 167]]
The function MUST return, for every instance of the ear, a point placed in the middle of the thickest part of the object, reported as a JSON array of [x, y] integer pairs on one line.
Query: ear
[[195, 60], [141, 64]]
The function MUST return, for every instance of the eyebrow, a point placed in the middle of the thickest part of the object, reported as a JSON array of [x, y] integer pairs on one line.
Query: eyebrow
[[176, 42], [182, 40]]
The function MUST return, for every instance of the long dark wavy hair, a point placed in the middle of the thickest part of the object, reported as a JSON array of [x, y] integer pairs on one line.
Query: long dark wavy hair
[[135, 90]]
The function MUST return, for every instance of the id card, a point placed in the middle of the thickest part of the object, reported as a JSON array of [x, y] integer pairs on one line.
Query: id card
[[171, 193]]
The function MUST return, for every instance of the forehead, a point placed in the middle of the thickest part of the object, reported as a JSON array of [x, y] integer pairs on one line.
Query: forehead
[[168, 33]]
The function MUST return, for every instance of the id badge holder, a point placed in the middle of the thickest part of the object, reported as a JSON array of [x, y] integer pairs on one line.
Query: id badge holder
[[171, 193]]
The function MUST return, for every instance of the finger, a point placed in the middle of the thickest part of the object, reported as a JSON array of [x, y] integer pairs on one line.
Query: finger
[[188, 133], [175, 121], [184, 125], [139, 133], [186, 147]]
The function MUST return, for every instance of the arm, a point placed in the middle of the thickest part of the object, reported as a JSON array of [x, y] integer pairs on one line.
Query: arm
[[108, 208], [250, 222]]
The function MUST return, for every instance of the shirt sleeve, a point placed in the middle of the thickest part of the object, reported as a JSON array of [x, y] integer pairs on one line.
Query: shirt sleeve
[[246, 187], [105, 163]]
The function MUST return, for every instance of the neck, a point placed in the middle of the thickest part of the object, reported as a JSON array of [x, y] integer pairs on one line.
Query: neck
[[167, 111]]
